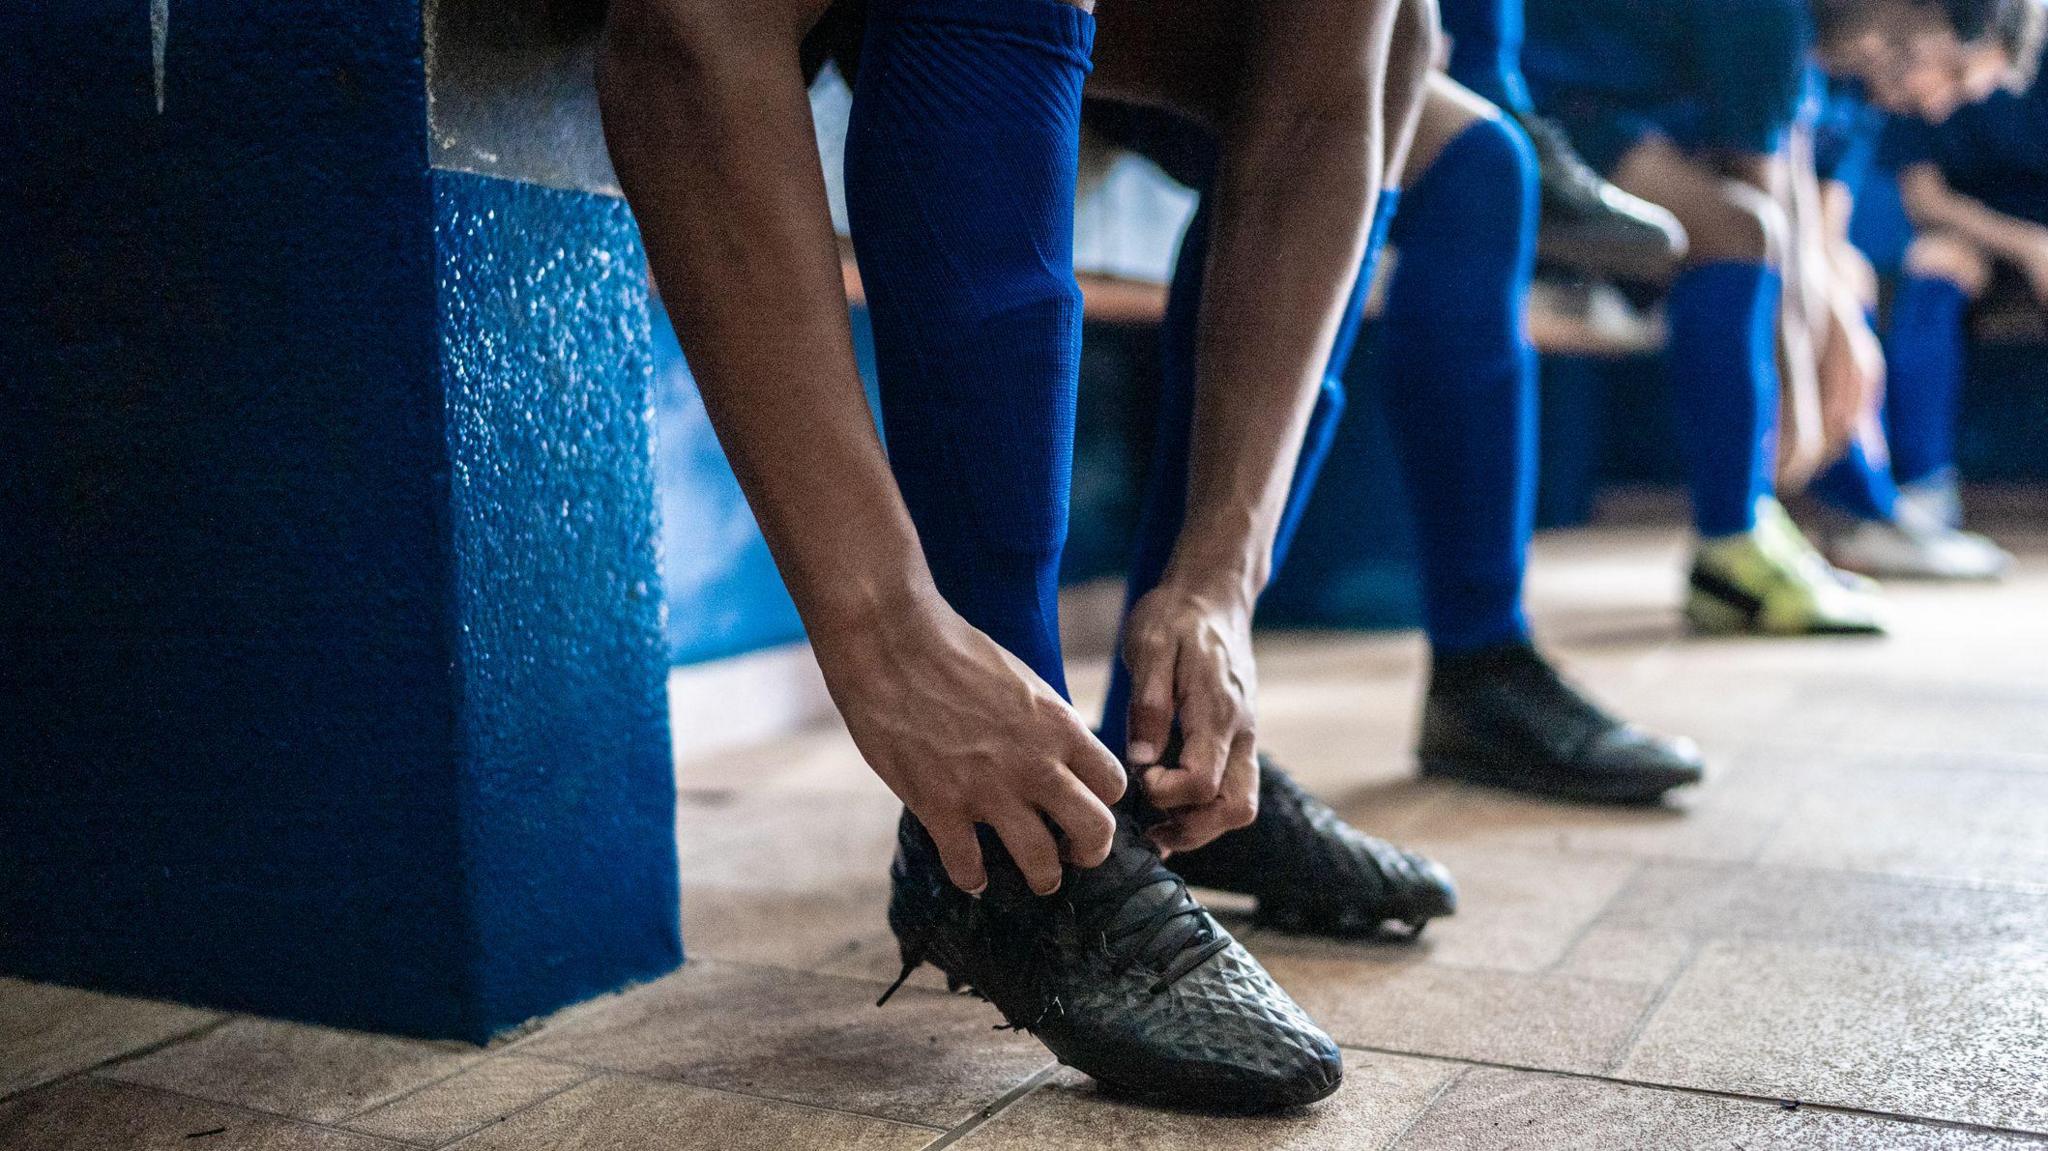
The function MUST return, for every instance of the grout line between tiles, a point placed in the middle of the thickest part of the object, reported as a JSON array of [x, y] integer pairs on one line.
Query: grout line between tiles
[[1650, 1009], [523, 1107], [1428, 1106], [598, 1070], [1002, 1103], [1777, 1101], [295, 1120], [115, 1060], [1565, 953]]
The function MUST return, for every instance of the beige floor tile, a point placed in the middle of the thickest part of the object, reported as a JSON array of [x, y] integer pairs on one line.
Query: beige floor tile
[[47, 1031], [1489, 1109], [306, 1072], [1942, 822], [1518, 910], [927, 1057], [1556, 1022], [1714, 821], [1381, 1095], [95, 1115], [1923, 1032], [613, 1113], [1626, 955], [811, 930], [478, 1097], [1704, 902]]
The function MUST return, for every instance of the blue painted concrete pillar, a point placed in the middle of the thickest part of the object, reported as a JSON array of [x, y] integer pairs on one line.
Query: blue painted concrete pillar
[[332, 681]]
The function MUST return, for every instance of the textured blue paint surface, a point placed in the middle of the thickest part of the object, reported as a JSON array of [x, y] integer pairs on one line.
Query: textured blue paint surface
[[291, 716], [567, 793]]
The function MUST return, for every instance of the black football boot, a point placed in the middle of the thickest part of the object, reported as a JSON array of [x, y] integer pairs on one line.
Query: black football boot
[[1120, 973], [1591, 226], [1504, 717], [1313, 873]]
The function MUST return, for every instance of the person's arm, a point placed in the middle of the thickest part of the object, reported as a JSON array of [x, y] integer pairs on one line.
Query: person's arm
[[1849, 358], [1303, 157], [1933, 204], [709, 126]]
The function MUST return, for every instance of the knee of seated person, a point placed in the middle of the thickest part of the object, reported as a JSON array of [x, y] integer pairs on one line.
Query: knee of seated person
[[1943, 256], [1743, 227], [1416, 49]]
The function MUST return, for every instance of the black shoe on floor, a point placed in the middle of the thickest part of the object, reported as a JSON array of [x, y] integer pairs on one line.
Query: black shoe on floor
[[1503, 717], [1313, 873], [1591, 226], [1120, 973]]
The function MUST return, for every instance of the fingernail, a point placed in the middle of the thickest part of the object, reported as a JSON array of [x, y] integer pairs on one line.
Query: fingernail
[[1143, 752], [979, 891]]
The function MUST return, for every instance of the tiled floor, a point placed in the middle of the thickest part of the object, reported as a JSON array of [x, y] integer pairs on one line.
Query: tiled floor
[[1840, 942]]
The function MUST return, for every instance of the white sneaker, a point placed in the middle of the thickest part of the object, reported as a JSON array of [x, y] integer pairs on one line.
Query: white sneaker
[[1915, 548], [1936, 499]]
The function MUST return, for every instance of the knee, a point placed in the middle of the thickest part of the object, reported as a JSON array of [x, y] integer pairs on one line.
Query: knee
[[1943, 256], [1744, 225], [1416, 49], [1479, 188]]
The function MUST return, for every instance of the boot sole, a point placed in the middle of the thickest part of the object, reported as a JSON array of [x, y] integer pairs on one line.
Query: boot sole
[[1509, 778]]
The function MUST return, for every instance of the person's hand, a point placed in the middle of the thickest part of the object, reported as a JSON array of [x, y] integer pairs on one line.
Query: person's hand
[[2033, 264], [1851, 377], [964, 733], [1189, 651]]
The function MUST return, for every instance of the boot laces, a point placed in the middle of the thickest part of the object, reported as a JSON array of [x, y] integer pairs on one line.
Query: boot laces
[[1144, 914]]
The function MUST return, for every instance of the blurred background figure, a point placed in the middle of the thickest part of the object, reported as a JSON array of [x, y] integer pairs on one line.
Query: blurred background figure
[[1703, 107], [1969, 149]]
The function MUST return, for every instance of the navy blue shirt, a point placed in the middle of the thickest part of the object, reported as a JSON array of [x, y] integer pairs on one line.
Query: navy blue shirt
[[1846, 128], [1996, 151], [1721, 74]]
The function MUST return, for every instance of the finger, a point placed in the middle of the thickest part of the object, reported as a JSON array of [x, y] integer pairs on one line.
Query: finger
[[1089, 828], [1199, 777], [1149, 718], [959, 852], [1237, 806], [1098, 770], [1031, 846]]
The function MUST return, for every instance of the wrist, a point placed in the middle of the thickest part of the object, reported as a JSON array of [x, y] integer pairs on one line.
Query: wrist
[[1226, 571]]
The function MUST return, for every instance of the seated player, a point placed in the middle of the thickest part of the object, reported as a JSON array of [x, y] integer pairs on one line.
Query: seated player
[[1588, 224], [1460, 396], [927, 576], [1895, 533], [1690, 104], [1976, 189]]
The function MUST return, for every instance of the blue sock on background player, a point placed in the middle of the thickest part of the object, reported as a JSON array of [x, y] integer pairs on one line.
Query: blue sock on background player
[[1459, 383], [1721, 360], [1924, 377], [1858, 485], [964, 141], [1486, 49], [1166, 486]]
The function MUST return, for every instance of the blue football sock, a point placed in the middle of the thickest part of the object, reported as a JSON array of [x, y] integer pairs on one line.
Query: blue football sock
[[1459, 384], [1721, 359], [960, 167], [1486, 49], [1924, 376], [1858, 485], [1166, 487]]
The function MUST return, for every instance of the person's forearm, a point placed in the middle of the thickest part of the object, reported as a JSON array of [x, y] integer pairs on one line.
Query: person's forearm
[[1811, 273], [1931, 203], [718, 160], [1294, 197]]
